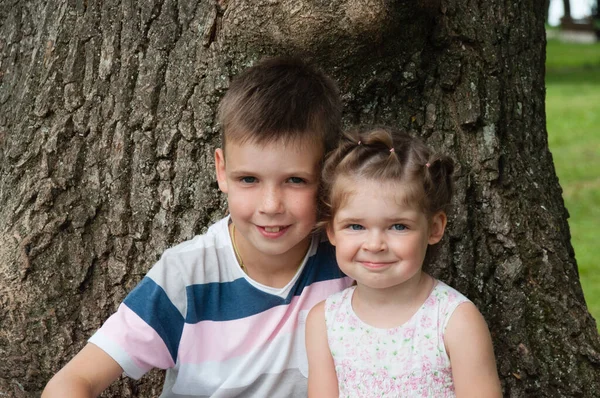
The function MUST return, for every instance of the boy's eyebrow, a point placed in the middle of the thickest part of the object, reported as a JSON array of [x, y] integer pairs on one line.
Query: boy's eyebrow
[[241, 173], [253, 170], [292, 173]]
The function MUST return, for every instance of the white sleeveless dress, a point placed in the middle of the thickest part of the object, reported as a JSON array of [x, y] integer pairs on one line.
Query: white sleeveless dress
[[405, 361]]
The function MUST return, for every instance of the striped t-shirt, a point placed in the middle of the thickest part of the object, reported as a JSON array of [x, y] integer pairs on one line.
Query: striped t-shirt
[[216, 331]]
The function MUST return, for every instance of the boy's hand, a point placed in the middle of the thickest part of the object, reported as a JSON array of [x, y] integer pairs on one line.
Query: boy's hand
[[89, 373]]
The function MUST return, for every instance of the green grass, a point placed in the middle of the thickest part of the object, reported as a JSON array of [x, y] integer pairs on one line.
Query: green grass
[[573, 123], [560, 56]]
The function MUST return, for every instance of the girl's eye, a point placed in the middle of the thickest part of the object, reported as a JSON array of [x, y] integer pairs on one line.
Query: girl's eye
[[296, 180], [398, 227], [248, 180], [355, 227]]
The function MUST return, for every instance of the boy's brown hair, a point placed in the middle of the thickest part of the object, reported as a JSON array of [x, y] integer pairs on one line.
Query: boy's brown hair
[[282, 98]]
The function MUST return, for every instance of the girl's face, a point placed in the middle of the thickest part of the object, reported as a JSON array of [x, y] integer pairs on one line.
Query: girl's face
[[381, 240]]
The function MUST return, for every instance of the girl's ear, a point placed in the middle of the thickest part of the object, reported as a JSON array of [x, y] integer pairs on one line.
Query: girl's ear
[[330, 234], [220, 169], [437, 227]]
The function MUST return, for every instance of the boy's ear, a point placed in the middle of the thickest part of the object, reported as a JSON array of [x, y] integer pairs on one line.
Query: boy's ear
[[437, 227], [220, 169]]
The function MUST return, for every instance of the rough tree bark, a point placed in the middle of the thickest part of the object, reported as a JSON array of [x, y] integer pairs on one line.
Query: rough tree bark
[[107, 129]]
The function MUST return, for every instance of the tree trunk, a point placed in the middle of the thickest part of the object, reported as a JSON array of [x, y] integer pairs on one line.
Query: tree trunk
[[107, 132], [567, 10]]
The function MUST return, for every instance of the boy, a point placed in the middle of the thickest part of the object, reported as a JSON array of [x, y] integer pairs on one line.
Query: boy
[[224, 312]]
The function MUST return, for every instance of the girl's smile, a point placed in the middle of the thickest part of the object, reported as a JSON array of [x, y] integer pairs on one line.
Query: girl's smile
[[372, 265]]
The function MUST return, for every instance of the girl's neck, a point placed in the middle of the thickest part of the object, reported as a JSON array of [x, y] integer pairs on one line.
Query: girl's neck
[[394, 306]]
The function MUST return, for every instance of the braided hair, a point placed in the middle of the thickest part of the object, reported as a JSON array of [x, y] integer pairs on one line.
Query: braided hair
[[386, 154]]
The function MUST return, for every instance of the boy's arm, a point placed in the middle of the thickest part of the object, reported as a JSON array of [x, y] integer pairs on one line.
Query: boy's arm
[[322, 378], [471, 353], [89, 373]]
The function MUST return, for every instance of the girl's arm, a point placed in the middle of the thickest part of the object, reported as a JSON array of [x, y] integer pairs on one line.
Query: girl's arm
[[89, 373], [469, 346], [322, 379]]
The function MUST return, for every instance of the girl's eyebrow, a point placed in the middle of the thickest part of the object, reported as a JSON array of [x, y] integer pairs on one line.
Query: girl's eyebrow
[[349, 220], [394, 220]]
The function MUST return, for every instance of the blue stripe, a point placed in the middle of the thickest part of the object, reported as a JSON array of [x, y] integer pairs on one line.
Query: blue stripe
[[239, 299], [150, 302], [320, 267]]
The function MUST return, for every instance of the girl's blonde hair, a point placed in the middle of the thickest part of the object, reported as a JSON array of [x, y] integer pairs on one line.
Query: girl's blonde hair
[[386, 154]]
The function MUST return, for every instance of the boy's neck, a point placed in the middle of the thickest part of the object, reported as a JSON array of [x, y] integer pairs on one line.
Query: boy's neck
[[271, 270]]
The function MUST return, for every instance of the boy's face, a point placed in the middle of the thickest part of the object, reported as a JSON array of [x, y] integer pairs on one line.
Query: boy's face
[[271, 192]]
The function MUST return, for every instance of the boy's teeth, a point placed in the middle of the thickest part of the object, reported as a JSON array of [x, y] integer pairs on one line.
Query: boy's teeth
[[272, 229]]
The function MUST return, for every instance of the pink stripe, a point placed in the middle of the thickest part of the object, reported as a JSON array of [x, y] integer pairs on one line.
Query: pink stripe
[[141, 342], [220, 341]]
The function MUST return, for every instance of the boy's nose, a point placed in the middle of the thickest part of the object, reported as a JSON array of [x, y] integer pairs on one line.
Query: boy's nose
[[272, 202]]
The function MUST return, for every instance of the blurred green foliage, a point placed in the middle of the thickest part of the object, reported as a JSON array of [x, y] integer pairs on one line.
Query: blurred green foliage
[[573, 123]]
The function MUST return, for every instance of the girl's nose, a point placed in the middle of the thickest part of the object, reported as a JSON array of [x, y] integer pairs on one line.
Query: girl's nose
[[375, 242]]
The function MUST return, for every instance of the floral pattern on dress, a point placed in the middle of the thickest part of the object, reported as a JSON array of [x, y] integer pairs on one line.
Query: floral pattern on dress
[[406, 361]]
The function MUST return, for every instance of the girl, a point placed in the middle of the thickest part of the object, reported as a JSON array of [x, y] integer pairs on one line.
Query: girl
[[398, 332]]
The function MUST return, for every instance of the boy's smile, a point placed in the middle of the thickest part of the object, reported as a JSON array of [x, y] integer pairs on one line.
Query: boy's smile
[[271, 192]]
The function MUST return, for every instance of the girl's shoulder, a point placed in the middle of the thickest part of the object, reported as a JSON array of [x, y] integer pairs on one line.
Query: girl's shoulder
[[444, 300], [339, 302], [447, 293]]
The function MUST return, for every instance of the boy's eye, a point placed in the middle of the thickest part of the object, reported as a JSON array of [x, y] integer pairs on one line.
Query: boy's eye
[[296, 180], [248, 180], [355, 227], [398, 227]]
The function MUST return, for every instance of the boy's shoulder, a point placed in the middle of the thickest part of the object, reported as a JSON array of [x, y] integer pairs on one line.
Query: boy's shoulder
[[321, 244], [215, 236], [322, 256], [202, 259]]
